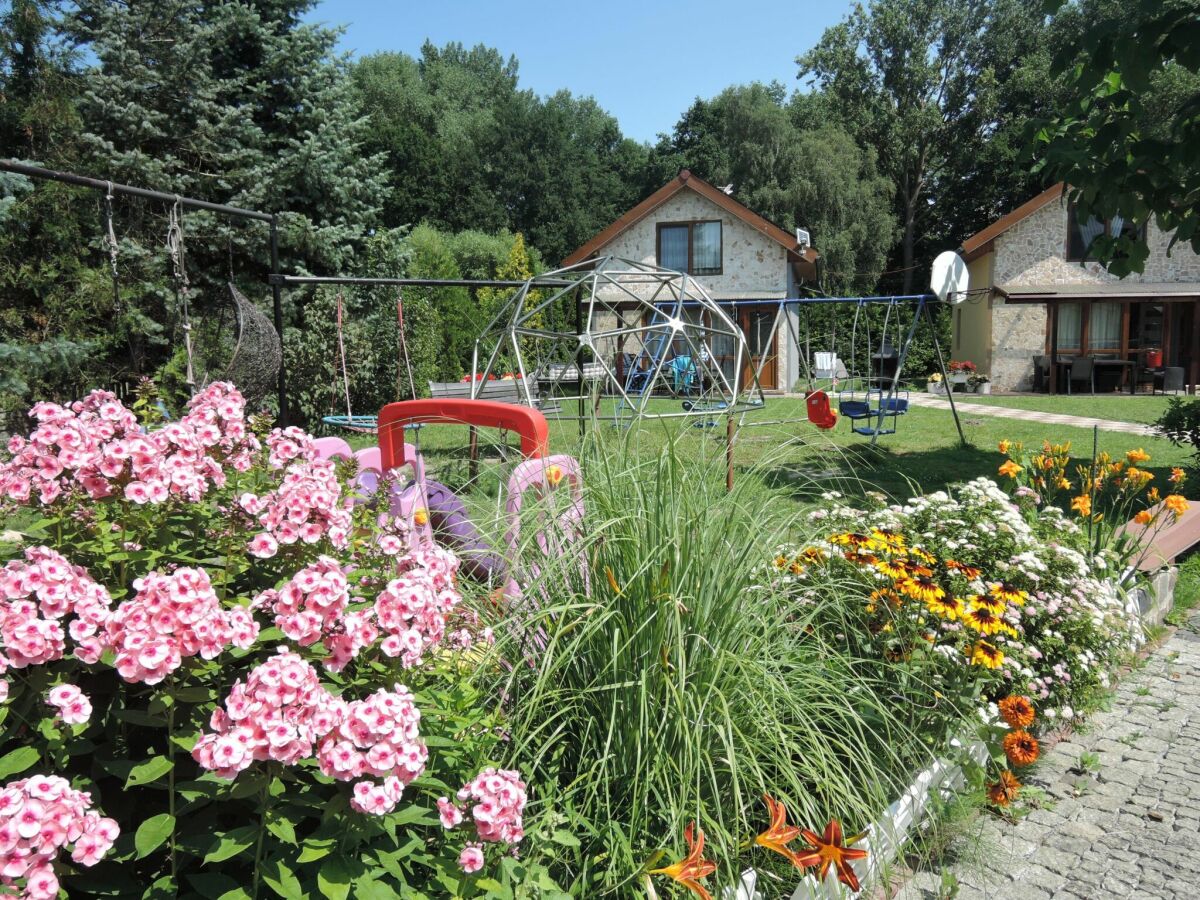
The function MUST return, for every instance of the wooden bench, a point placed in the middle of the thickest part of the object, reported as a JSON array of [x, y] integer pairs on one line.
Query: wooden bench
[[560, 375]]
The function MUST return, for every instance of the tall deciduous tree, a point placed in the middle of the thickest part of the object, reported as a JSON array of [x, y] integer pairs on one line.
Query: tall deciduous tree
[[815, 176], [1128, 140], [915, 80]]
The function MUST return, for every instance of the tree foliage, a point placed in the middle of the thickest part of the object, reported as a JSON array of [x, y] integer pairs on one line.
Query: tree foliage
[[1128, 140], [919, 81]]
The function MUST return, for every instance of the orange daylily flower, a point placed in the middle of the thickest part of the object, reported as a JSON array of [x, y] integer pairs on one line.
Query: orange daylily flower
[[1082, 505], [1176, 504], [689, 870], [1177, 475], [1145, 517], [1004, 446], [1010, 469], [829, 849], [1137, 456], [779, 834], [612, 580]]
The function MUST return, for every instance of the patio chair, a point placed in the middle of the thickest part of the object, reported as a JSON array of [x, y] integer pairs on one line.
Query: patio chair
[[1171, 379], [1041, 374], [1083, 368]]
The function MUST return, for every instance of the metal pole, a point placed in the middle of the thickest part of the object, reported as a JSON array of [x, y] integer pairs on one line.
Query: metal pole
[[296, 280], [937, 345], [728, 454], [20, 168], [277, 310]]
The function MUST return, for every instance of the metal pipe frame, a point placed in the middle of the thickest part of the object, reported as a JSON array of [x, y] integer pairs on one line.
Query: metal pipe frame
[[297, 280]]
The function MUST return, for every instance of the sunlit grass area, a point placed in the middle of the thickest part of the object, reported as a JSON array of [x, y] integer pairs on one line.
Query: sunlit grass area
[[1143, 408], [777, 448]]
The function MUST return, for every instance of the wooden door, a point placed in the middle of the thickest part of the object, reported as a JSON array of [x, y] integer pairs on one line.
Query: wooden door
[[758, 324]]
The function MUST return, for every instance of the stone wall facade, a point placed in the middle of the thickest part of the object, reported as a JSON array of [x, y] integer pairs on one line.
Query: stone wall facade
[[753, 267], [1033, 252]]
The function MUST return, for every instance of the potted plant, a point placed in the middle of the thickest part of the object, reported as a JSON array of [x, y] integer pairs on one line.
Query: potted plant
[[980, 383], [960, 371], [935, 385]]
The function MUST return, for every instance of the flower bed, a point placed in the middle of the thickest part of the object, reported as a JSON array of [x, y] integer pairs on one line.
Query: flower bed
[[224, 677]]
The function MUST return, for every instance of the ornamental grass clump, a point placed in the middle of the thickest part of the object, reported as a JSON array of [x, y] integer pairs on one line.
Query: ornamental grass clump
[[667, 680]]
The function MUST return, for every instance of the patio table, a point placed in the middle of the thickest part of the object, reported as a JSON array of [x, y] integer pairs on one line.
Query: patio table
[[1125, 364]]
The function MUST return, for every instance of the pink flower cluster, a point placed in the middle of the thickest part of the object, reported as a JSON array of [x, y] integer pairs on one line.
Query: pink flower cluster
[[279, 713], [40, 816], [36, 595], [308, 504], [377, 736], [310, 605], [283, 713], [172, 617], [96, 444], [72, 704], [412, 609], [499, 805]]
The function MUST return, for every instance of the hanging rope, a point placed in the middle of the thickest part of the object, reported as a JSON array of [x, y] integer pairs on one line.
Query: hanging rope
[[182, 287], [403, 340], [342, 355], [110, 241]]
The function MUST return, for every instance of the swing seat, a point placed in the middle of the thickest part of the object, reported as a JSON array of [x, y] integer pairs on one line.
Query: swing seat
[[819, 413], [357, 424], [855, 409], [868, 431]]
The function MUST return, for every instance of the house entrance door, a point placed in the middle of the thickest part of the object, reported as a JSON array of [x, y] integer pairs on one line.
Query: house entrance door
[[758, 324]]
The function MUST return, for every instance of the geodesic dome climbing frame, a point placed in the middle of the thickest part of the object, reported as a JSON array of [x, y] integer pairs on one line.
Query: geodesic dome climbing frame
[[650, 339]]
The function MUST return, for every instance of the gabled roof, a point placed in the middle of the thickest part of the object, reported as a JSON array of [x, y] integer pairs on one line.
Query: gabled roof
[[978, 244], [686, 180]]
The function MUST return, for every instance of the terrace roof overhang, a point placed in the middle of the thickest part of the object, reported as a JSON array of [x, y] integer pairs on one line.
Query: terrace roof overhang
[[1115, 291]]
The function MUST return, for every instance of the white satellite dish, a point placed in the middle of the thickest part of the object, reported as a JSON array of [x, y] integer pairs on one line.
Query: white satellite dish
[[948, 279]]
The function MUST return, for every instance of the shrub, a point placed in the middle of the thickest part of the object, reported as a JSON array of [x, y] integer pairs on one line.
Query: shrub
[[1181, 423], [258, 681]]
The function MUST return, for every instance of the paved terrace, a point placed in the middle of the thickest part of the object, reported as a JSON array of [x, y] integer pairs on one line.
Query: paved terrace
[[1128, 827]]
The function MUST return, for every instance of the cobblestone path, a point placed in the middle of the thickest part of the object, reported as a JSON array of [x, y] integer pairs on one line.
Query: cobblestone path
[[1127, 827]]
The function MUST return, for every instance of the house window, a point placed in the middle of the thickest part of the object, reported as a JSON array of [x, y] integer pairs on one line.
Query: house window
[[692, 247], [1081, 234]]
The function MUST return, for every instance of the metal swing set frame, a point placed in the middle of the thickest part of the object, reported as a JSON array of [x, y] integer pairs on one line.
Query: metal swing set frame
[[888, 403]]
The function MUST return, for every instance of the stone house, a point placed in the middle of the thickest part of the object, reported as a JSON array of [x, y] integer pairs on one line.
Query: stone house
[[745, 263], [1039, 285]]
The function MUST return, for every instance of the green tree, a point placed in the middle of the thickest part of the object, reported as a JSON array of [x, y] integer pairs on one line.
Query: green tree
[[431, 257], [814, 176], [1128, 140], [914, 80]]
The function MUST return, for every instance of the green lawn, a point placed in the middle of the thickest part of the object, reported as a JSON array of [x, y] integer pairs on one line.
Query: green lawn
[[1119, 407], [794, 458]]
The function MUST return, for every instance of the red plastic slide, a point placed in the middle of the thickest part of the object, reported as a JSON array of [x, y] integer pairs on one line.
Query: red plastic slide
[[528, 423]]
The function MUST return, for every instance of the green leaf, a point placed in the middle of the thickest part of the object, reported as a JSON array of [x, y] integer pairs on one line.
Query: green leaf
[[282, 829], [163, 888], [283, 881], [314, 850], [150, 770], [152, 833], [565, 838], [18, 761], [494, 888], [231, 843], [333, 879], [235, 894]]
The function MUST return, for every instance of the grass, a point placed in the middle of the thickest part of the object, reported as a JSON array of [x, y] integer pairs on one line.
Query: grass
[[796, 460], [1117, 407]]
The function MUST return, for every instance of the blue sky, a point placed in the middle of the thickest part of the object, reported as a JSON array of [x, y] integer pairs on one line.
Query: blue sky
[[643, 61]]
